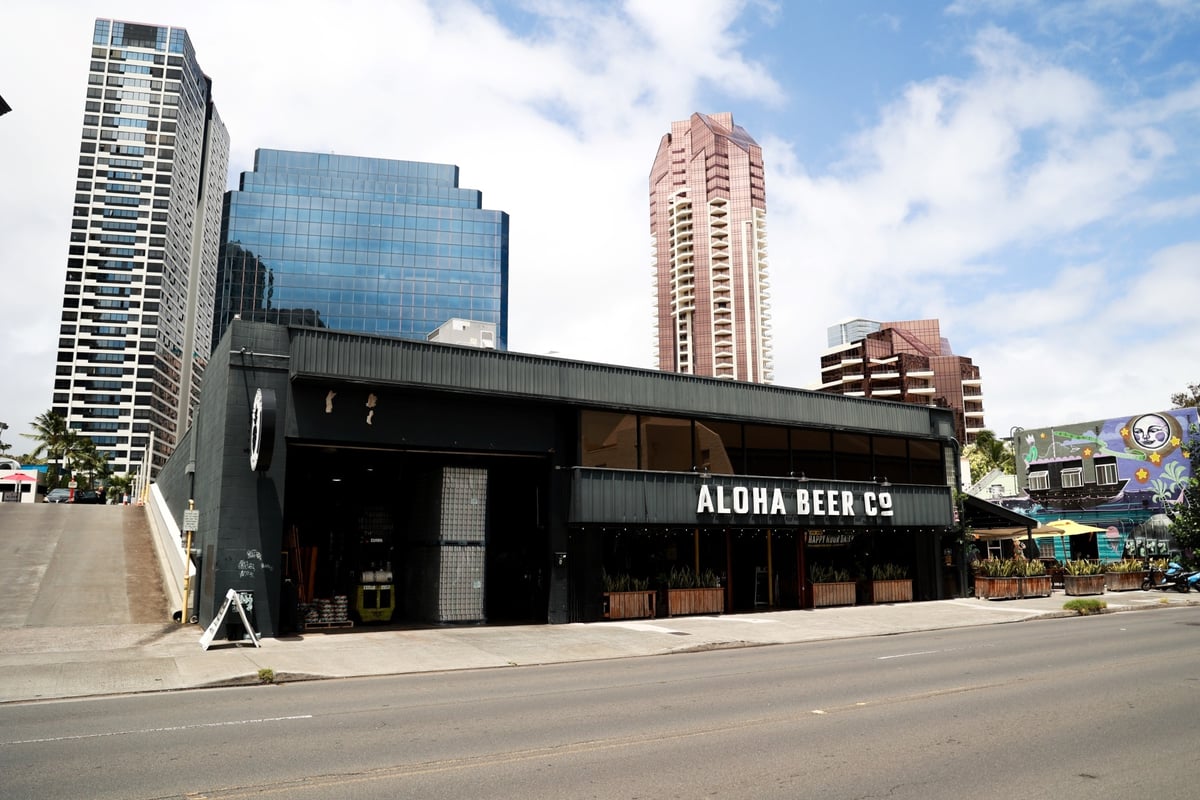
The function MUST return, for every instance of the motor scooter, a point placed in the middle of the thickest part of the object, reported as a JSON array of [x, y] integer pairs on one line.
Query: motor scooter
[[1173, 577], [1192, 582]]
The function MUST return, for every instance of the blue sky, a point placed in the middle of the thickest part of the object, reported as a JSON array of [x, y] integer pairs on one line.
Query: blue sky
[[1026, 172]]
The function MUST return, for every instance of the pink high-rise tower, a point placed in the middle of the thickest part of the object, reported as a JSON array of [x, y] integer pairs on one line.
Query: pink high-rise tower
[[708, 208]]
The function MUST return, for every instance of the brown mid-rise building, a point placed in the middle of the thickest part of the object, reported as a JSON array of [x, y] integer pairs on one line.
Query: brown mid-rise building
[[708, 210], [906, 361]]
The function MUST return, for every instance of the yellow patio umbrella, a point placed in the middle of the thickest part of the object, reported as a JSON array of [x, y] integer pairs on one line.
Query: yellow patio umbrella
[[1065, 527]]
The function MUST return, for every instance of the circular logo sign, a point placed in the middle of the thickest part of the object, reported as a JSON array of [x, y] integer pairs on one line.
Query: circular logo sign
[[262, 430]]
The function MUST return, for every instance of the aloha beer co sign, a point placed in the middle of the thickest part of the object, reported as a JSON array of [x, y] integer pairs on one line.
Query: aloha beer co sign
[[764, 501]]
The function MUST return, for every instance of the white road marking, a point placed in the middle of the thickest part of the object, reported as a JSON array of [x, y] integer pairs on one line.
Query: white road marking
[[906, 655], [159, 730]]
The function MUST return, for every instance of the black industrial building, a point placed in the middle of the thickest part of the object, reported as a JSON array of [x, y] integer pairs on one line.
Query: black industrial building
[[394, 481]]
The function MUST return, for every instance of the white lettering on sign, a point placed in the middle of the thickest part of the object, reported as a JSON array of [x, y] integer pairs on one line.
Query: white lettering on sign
[[741, 500], [761, 501]]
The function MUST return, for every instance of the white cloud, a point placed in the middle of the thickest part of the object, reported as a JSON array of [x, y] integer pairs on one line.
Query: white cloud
[[962, 182]]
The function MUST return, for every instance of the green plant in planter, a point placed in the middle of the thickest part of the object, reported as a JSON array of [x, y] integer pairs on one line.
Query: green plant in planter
[[999, 568], [888, 572], [1083, 568], [826, 574], [686, 578], [1125, 565], [623, 582], [1030, 568]]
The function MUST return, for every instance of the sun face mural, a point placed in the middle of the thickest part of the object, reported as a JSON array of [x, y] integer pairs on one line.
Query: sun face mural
[[1139, 460], [1153, 434], [1114, 474]]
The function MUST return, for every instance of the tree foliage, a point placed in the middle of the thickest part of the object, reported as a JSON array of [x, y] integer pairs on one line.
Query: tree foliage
[[67, 451], [1185, 515], [119, 486], [987, 453], [1188, 399]]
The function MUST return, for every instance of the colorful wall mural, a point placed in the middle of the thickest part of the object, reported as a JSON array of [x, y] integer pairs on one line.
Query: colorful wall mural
[[1116, 474]]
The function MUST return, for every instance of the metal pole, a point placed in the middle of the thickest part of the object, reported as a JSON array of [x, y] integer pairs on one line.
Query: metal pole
[[185, 614], [770, 574]]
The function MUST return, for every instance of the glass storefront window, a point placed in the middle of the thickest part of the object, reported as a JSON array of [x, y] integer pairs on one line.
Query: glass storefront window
[[891, 458], [614, 440], [666, 444], [852, 456], [925, 462], [767, 450], [719, 447], [812, 453], [609, 440]]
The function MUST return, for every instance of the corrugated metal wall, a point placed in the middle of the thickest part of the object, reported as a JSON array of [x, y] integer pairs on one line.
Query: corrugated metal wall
[[328, 354]]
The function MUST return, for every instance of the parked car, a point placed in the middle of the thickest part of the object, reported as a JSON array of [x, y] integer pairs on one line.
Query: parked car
[[88, 496], [58, 496]]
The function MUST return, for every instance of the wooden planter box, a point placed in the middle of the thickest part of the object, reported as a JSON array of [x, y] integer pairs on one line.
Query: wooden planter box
[[1036, 586], [695, 601], [840, 593], [997, 588], [1124, 581], [1013, 588], [629, 605], [1078, 585], [899, 590]]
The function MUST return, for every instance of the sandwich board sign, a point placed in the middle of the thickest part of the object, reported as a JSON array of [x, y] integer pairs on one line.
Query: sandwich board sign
[[232, 598]]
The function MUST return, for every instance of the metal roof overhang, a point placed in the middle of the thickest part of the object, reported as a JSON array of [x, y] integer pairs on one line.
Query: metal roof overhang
[[318, 354], [991, 521]]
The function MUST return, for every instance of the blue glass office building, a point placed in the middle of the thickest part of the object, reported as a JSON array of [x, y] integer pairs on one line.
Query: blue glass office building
[[368, 245]]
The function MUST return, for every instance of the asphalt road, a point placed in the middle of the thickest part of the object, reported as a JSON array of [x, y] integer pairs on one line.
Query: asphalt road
[[1099, 707]]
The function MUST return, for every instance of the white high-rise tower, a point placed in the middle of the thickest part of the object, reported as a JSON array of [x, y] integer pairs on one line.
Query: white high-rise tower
[[136, 322]]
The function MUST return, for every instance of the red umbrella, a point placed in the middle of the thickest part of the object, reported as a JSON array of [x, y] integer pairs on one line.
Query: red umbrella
[[18, 478]]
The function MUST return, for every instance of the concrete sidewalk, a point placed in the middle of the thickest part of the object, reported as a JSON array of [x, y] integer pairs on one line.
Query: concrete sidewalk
[[59, 662]]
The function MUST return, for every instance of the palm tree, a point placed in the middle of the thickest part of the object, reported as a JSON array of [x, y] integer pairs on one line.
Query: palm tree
[[52, 435], [119, 486], [86, 458], [987, 453]]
